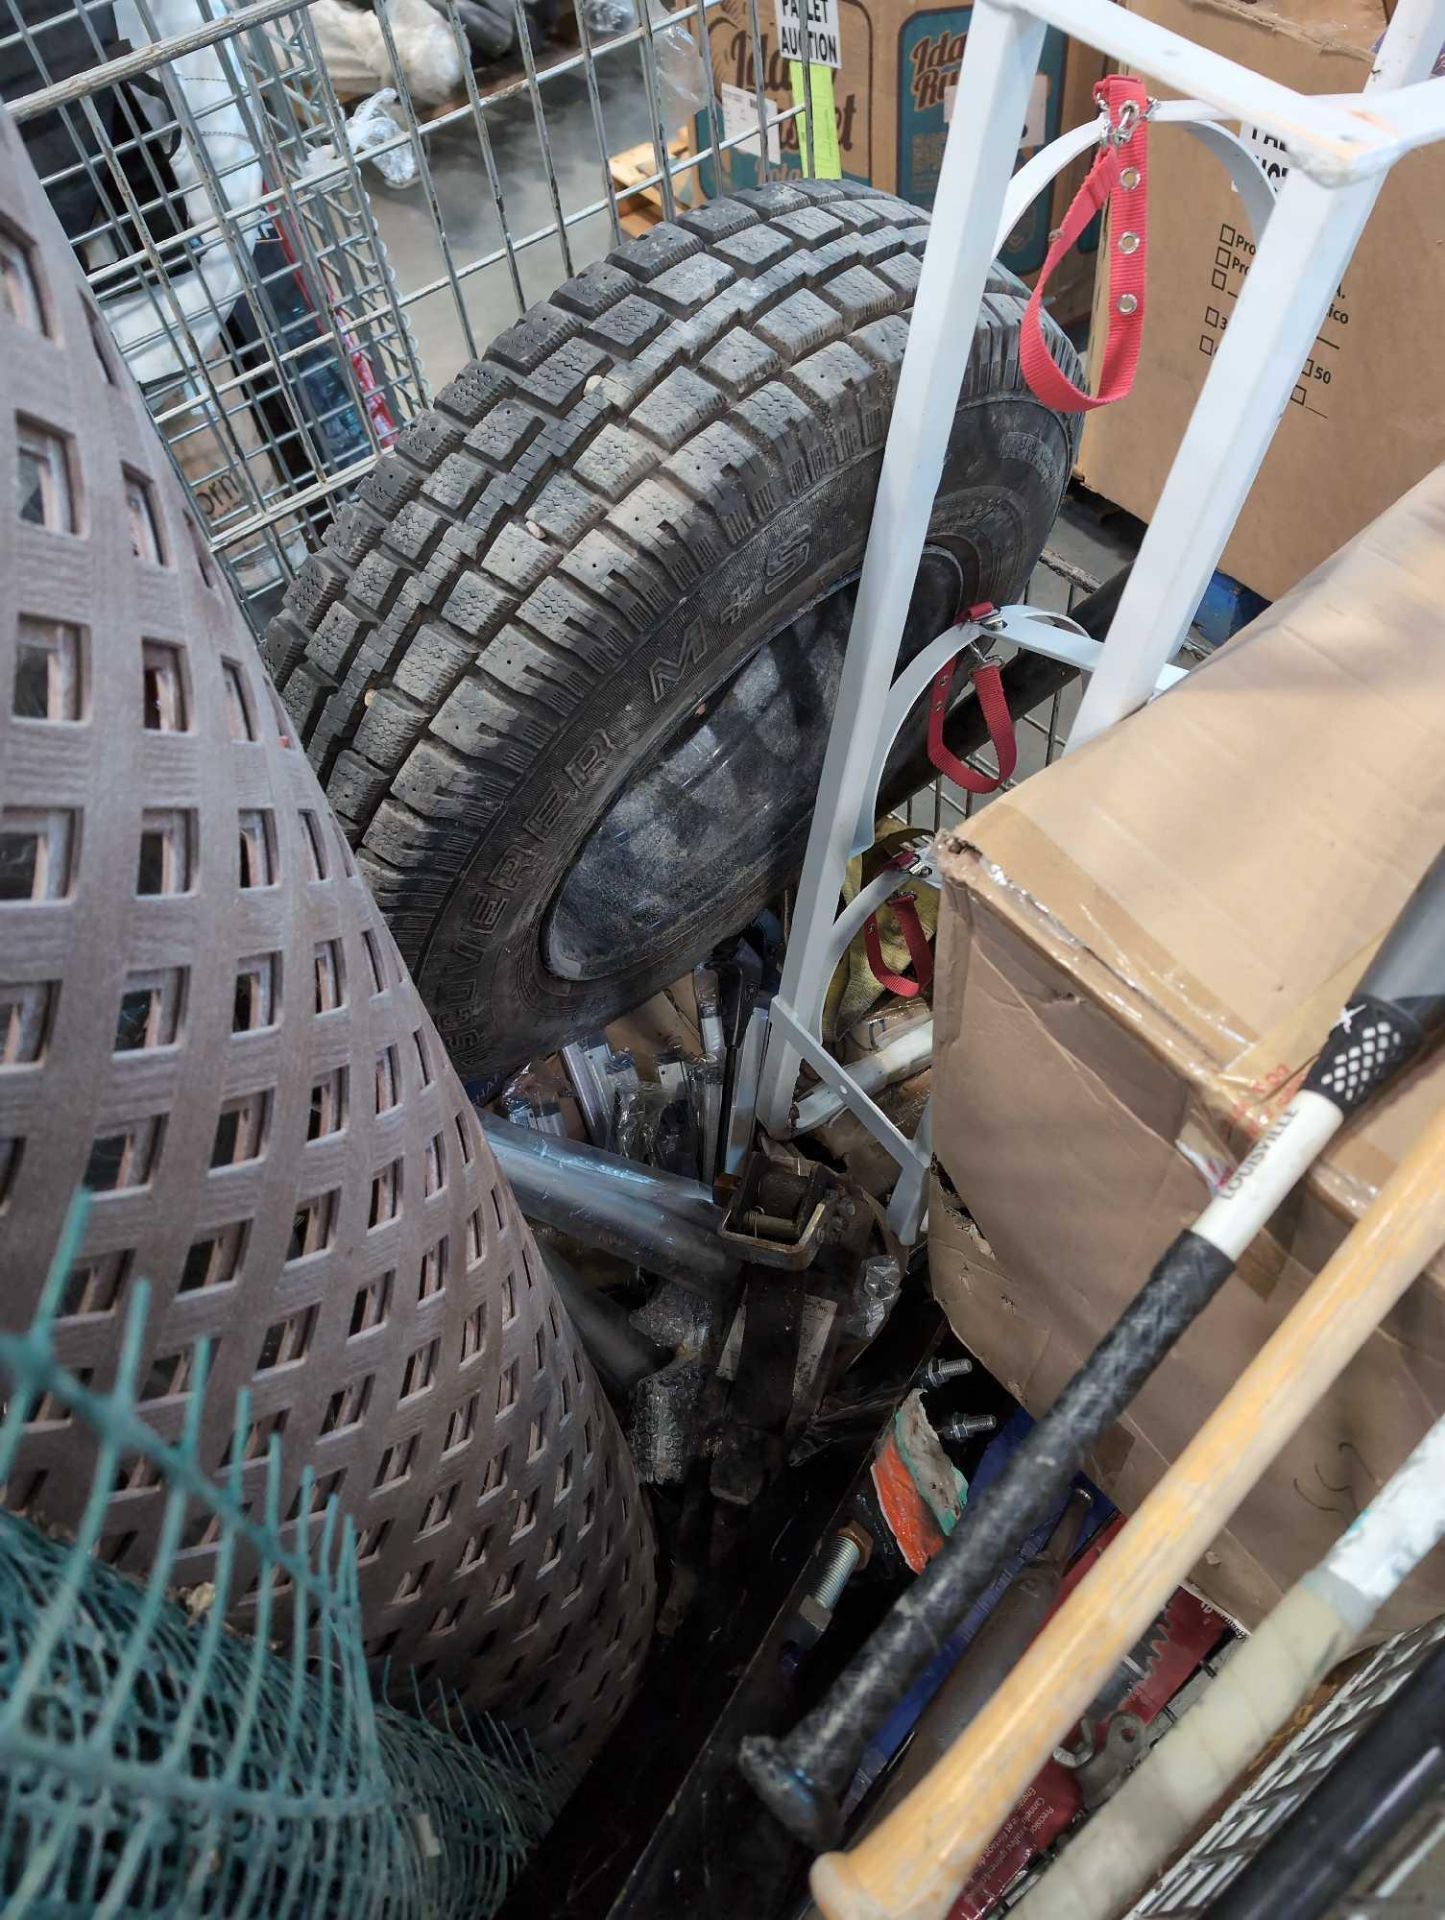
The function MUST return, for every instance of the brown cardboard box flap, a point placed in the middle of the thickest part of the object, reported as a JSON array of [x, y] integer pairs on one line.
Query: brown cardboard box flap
[[1141, 949], [1218, 869], [1360, 424]]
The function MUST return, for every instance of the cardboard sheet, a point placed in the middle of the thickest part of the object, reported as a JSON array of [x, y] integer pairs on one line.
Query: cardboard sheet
[[1141, 949]]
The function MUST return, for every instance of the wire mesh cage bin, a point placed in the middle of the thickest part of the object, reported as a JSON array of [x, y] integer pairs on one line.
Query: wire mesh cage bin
[[151, 1760], [200, 168], [210, 180]]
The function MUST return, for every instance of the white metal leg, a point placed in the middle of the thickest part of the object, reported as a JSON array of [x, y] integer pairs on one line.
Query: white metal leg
[[1285, 297], [1409, 50], [1340, 151], [998, 72]]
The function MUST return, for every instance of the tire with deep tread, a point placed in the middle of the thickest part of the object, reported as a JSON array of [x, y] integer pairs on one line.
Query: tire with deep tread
[[592, 528]]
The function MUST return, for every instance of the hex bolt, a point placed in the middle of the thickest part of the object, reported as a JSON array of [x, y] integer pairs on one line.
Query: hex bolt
[[848, 1550], [938, 1373], [967, 1425], [841, 1561]]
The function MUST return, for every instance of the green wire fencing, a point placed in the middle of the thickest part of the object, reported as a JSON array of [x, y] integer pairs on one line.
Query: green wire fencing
[[153, 1762]]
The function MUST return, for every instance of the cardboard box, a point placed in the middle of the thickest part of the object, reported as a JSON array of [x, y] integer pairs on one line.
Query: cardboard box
[[1362, 425], [893, 97], [1141, 949]]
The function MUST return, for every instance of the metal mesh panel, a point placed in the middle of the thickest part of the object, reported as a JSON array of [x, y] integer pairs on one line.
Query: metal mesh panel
[[206, 1023], [1192, 1885], [233, 246]]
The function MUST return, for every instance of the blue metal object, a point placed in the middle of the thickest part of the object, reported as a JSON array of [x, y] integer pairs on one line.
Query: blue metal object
[[1227, 606], [878, 1754]]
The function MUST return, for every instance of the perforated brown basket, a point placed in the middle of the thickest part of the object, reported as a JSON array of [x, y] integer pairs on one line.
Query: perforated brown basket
[[204, 1019]]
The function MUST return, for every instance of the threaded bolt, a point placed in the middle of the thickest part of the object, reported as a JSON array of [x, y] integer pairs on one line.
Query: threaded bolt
[[938, 1373], [839, 1564], [967, 1425]]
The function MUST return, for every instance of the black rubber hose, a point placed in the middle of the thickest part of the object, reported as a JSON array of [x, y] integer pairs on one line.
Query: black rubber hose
[[800, 1778], [1317, 1853]]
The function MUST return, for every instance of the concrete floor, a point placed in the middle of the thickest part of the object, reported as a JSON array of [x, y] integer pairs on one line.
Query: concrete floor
[[469, 214]]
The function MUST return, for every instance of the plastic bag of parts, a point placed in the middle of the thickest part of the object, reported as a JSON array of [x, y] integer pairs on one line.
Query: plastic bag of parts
[[607, 18], [682, 82], [372, 127], [355, 55], [875, 1294]]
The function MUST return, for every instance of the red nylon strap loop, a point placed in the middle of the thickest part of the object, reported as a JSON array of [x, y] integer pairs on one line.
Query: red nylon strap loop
[[993, 704], [1128, 206], [916, 941]]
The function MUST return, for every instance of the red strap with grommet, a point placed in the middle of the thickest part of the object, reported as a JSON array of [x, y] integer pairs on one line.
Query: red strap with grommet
[[1118, 179], [916, 941], [993, 704]]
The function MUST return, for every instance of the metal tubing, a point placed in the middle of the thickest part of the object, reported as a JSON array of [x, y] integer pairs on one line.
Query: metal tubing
[[621, 1354], [907, 1054], [668, 1225], [1336, 138], [581, 1068]]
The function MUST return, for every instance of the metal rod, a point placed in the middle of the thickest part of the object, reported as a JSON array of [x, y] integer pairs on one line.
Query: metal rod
[[1399, 1005], [128, 66], [539, 120], [621, 1354], [906, 1054], [667, 1225], [1001, 60], [582, 1066], [911, 1867]]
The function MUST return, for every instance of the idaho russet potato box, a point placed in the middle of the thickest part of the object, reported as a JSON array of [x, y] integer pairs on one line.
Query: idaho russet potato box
[[1141, 949], [893, 98], [1361, 424]]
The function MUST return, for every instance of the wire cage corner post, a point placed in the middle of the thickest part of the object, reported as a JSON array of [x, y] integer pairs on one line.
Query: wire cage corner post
[[1341, 150]]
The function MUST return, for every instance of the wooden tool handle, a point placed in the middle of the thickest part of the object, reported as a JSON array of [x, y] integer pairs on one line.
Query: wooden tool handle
[[913, 1864]]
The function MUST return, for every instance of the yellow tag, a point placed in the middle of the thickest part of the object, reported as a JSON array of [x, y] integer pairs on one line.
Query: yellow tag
[[827, 162]]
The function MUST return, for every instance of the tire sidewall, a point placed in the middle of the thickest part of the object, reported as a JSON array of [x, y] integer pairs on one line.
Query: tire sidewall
[[482, 969]]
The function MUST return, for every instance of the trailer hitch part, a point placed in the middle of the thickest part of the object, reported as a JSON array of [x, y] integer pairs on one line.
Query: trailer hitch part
[[1398, 1006], [777, 1218]]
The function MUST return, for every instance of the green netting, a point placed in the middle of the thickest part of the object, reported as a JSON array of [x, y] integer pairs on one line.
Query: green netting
[[154, 1762]]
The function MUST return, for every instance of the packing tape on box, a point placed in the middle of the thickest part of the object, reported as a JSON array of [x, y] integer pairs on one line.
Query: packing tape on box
[[827, 161]]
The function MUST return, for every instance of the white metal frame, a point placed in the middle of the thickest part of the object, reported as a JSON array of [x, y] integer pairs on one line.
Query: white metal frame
[[1340, 150]]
